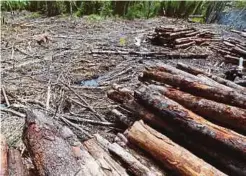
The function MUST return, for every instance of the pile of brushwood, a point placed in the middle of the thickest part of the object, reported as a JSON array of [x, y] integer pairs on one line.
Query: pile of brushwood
[[189, 121], [232, 49], [180, 37], [194, 122]]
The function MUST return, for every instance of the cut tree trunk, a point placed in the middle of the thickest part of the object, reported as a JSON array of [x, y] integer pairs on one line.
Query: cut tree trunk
[[196, 71], [168, 152], [194, 87], [239, 50], [133, 165], [110, 166], [4, 156], [193, 124], [50, 153], [233, 117], [16, 167]]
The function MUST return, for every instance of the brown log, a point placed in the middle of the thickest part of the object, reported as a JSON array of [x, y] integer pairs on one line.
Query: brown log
[[228, 44], [193, 124], [4, 156], [231, 116], [133, 164], [16, 167], [199, 89], [140, 155], [230, 165], [107, 163], [50, 153], [88, 165], [196, 71], [168, 152], [175, 71]]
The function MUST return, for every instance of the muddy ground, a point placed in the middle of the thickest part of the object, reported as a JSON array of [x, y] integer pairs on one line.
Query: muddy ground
[[64, 64]]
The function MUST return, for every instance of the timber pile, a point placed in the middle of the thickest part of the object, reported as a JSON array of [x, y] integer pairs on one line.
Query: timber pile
[[182, 37], [232, 49], [187, 117]]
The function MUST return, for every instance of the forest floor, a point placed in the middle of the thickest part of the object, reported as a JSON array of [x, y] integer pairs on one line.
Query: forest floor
[[62, 67]]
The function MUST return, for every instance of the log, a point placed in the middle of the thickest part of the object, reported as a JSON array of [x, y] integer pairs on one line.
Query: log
[[230, 165], [107, 163], [16, 167], [133, 165], [185, 45], [175, 71], [199, 89], [50, 153], [239, 50], [4, 156], [196, 71], [234, 60], [88, 165], [231, 116], [170, 154], [209, 134]]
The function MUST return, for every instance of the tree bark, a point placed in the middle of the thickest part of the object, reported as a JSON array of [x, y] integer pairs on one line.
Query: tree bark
[[110, 166], [4, 156], [199, 89], [16, 167], [168, 152], [193, 124], [51, 155], [230, 116]]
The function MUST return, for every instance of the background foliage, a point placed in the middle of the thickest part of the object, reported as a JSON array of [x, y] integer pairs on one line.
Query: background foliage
[[126, 9]]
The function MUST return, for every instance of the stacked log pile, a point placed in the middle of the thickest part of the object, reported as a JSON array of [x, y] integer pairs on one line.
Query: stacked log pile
[[182, 37], [232, 49], [185, 124], [187, 117]]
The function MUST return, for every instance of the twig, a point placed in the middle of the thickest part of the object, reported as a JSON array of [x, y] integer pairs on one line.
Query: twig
[[76, 126], [85, 102], [48, 97], [13, 112], [5, 96], [88, 121]]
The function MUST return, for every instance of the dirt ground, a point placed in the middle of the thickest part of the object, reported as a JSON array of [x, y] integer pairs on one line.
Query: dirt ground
[[29, 70]]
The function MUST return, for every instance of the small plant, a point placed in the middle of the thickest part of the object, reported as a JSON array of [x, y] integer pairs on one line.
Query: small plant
[[34, 15]]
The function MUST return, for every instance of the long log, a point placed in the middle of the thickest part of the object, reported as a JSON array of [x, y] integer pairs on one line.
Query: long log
[[108, 164], [134, 166], [230, 165], [231, 116], [175, 71], [193, 124], [171, 155], [197, 71], [50, 153], [16, 167], [233, 59], [194, 87], [4, 156]]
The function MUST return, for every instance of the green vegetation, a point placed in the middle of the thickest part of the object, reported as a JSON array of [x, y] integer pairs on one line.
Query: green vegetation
[[125, 9]]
